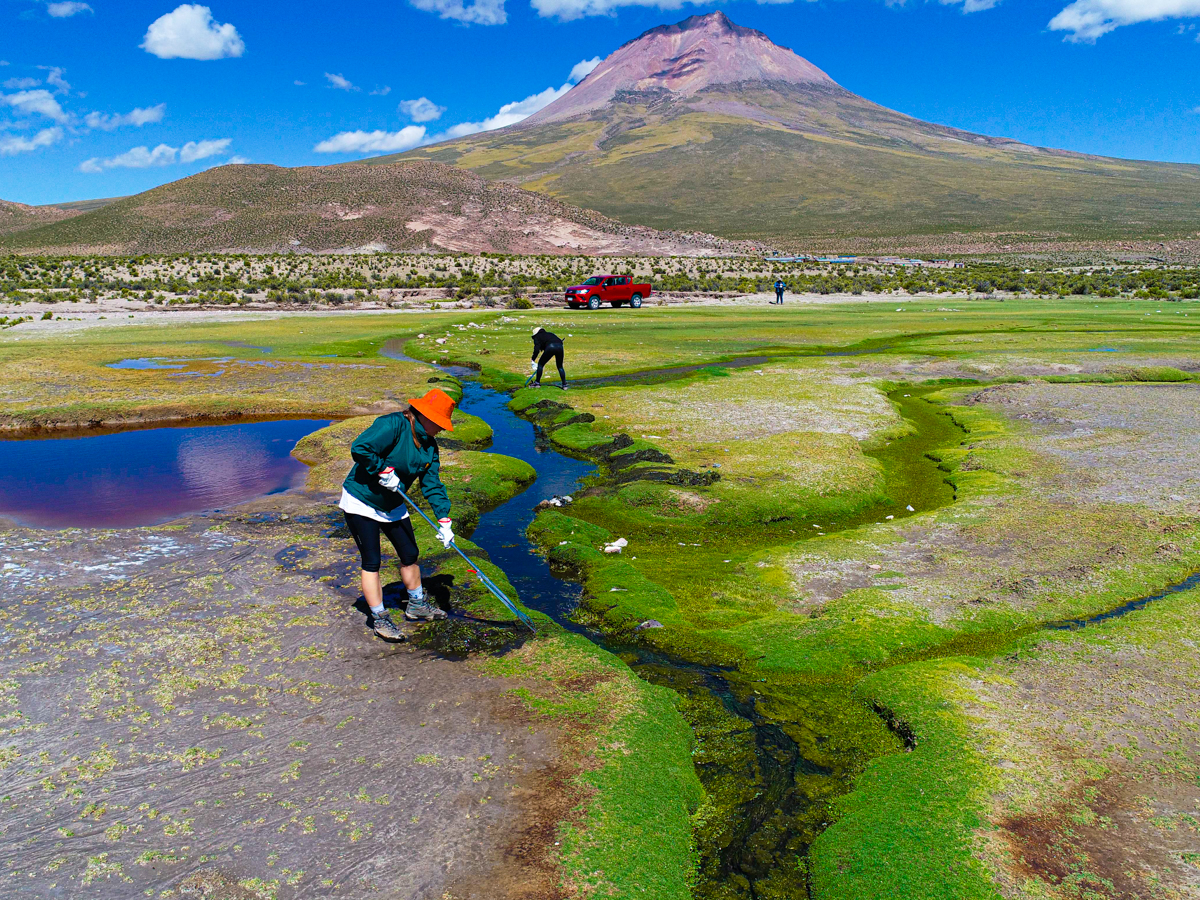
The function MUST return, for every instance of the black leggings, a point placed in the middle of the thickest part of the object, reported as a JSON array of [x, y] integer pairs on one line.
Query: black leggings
[[366, 536], [555, 352]]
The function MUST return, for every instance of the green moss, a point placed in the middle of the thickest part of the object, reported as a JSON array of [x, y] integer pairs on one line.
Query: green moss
[[635, 836], [908, 828]]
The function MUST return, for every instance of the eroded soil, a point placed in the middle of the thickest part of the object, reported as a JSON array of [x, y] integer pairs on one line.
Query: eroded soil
[[200, 709]]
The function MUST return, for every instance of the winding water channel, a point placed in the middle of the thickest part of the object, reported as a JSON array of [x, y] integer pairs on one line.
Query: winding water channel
[[771, 823]]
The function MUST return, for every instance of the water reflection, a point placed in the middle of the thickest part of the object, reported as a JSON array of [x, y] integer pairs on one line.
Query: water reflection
[[144, 477]]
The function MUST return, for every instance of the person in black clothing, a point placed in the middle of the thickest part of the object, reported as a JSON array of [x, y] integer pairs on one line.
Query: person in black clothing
[[780, 287], [548, 344]]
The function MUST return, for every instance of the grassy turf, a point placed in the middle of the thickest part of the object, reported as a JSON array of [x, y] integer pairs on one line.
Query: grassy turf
[[737, 570]]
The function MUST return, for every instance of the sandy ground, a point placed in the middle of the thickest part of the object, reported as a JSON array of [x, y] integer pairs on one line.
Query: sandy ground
[[200, 709], [112, 313]]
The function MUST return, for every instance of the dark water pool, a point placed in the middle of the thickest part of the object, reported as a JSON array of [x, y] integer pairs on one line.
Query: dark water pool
[[147, 476], [502, 530]]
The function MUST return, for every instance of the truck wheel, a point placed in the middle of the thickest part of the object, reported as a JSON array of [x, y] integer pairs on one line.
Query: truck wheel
[[593, 302], [636, 301]]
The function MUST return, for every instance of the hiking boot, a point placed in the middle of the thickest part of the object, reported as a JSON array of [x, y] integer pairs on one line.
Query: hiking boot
[[384, 627], [537, 384], [423, 609], [563, 386]]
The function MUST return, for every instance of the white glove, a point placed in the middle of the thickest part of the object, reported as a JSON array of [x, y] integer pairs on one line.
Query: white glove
[[388, 479], [533, 365], [445, 535]]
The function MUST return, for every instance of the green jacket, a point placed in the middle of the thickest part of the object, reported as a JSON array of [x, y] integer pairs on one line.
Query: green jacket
[[389, 442]]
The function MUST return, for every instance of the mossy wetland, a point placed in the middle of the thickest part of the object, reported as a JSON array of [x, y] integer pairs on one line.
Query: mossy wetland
[[865, 699]]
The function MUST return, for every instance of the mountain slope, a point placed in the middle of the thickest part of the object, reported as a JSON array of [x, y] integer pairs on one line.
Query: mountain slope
[[708, 125], [18, 216], [412, 205]]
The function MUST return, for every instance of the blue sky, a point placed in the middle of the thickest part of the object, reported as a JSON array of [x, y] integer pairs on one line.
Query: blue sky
[[101, 99]]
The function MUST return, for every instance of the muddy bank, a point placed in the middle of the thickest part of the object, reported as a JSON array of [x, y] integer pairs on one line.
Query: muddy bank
[[183, 708]]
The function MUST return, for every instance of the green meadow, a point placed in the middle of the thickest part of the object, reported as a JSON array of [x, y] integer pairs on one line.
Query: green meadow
[[864, 543]]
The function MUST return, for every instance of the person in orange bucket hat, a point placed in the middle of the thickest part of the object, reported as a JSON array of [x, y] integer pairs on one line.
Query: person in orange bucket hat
[[396, 450]]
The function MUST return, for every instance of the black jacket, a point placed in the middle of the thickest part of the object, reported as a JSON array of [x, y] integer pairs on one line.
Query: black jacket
[[544, 340]]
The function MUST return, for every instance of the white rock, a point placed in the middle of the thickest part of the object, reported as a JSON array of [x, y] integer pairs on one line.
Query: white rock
[[889, 517], [567, 498], [620, 542], [910, 509], [874, 566], [440, 341], [612, 549]]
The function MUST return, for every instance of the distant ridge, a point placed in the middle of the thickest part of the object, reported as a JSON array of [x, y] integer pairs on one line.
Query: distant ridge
[[18, 216], [413, 206], [708, 125]]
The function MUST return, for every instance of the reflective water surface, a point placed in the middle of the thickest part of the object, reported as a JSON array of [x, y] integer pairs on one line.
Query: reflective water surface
[[147, 476]]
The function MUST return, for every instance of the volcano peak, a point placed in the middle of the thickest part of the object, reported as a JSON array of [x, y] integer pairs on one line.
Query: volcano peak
[[683, 59]]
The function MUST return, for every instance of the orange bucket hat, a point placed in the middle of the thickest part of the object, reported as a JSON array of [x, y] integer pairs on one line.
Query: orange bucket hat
[[436, 406]]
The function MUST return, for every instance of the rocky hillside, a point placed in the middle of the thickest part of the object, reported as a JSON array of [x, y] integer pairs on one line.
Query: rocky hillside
[[18, 216], [410, 205]]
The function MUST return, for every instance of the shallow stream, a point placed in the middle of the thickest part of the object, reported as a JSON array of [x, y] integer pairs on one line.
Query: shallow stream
[[776, 808]]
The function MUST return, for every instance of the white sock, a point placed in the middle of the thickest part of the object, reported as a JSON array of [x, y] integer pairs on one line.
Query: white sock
[[377, 611], [416, 594]]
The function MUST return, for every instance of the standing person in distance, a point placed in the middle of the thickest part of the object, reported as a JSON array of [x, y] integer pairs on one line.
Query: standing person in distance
[[396, 450], [548, 345], [780, 287]]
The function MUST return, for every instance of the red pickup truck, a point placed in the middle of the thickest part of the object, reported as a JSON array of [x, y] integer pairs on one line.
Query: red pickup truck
[[614, 289]]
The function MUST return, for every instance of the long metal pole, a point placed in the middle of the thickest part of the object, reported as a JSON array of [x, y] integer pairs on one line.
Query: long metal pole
[[487, 582]]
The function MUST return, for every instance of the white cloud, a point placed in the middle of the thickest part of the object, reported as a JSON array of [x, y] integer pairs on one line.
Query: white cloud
[[339, 82], [299, 83], [421, 110], [10, 146], [512, 113], [162, 155], [381, 92], [40, 102], [67, 8], [1087, 20], [567, 10], [137, 158], [425, 110], [480, 12], [189, 32], [238, 161], [970, 6], [373, 141], [194, 150], [54, 78], [136, 117], [20, 84], [583, 69]]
